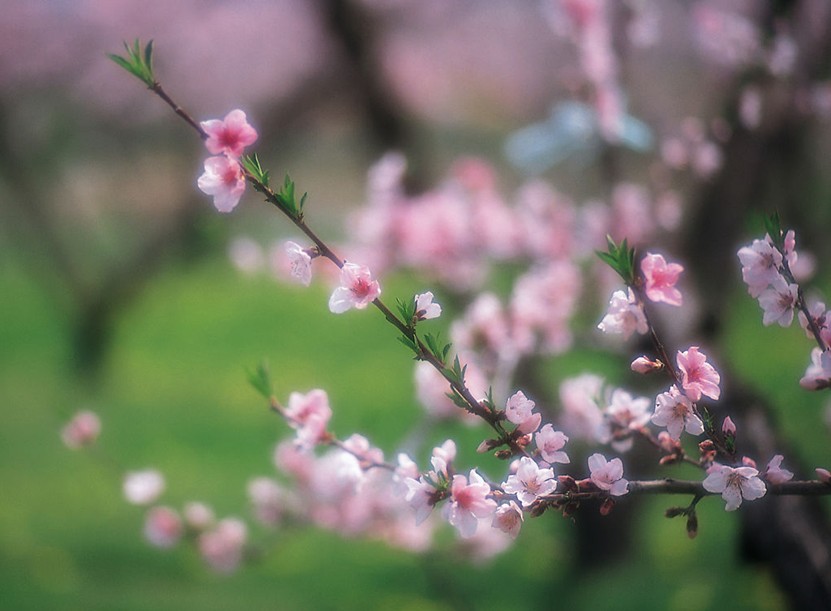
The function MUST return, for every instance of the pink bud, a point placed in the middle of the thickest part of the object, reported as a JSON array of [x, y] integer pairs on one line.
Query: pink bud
[[824, 475], [728, 427], [644, 365]]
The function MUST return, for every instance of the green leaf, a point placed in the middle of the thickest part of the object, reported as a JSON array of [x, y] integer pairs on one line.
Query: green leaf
[[136, 62], [260, 379], [409, 343], [773, 227], [620, 258]]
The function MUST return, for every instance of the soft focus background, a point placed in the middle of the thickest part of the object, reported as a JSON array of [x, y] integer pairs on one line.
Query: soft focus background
[[117, 292]]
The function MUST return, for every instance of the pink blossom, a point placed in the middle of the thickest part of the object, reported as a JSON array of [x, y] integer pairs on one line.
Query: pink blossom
[[579, 397], [624, 316], [425, 307], [778, 302], [675, 411], [230, 135], [624, 415], [300, 262], [608, 475], [530, 482], [761, 262], [550, 444], [508, 518], [163, 527], [421, 496], [823, 474], [698, 377], [441, 459], [222, 547], [365, 452], [661, 278], [82, 430], [818, 374], [820, 318], [143, 487], [519, 411], [224, 180], [268, 500], [357, 289], [309, 414], [198, 516], [468, 502], [728, 427], [734, 484], [774, 473]]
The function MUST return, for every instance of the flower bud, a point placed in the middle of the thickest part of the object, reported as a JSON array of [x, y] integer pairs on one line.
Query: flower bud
[[674, 512], [644, 365], [728, 427], [692, 524], [606, 506], [824, 475]]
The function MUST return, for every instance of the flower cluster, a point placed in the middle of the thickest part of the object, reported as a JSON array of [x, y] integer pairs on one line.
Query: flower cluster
[[226, 139]]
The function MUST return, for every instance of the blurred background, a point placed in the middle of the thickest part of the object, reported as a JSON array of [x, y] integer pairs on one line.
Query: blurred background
[[118, 294]]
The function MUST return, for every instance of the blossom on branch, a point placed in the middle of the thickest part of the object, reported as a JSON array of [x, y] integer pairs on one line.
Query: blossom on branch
[[357, 289], [818, 374], [223, 179], [425, 307], [519, 410], [550, 443], [300, 263], [309, 414], [230, 135], [761, 262], [608, 474], [530, 482], [163, 527], [624, 316], [734, 484], [698, 377], [675, 411], [508, 518], [660, 278], [468, 502], [774, 473], [778, 302]]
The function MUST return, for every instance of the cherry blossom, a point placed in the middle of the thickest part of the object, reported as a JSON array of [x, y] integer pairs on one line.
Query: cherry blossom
[[223, 179], [698, 377], [519, 410], [761, 262], [644, 365], [728, 427], [425, 307], [82, 430], [818, 374], [550, 444], [163, 527], [268, 500], [774, 473], [508, 518], [624, 415], [300, 263], [608, 475], [230, 135], [675, 411], [530, 482], [198, 516], [468, 502], [734, 484], [143, 487], [309, 414], [660, 278], [624, 316], [222, 546], [778, 302], [421, 496], [357, 289]]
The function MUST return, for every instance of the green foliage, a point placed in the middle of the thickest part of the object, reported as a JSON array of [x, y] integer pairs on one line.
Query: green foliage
[[137, 62], [288, 201], [620, 258], [260, 379], [407, 310], [252, 164], [435, 347]]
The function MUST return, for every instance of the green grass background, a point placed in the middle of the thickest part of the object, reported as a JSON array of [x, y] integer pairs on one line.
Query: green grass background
[[173, 395]]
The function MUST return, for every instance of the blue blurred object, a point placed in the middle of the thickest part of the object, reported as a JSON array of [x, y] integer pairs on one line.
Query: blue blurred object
[[571, 131]]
